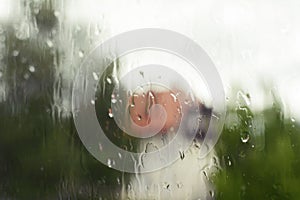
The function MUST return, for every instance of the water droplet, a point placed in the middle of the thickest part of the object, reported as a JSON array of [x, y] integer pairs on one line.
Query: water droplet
[[166, 185], [100, 147], [186, 102], [178, 110], [242, 154], [151, 95], [150, 147], [244, 99], [23, 31], [205, 174], [26, 76], [129, 93], [108, 80], [113, 98], [245, 136], [142, 73], [96, 77], [56, 13], [93, 102], [228, 161], [212, 193], [97, 32], [139, 117], [109, 163], [49, 43], [118, 181], [179, 185], [182, 155], [120, 155], [15, 53], [174, 97], [80, 54], [293, 120], [110, 114], [31, 68], [200, 119]]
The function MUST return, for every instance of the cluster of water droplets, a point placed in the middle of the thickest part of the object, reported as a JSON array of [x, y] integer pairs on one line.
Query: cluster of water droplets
[[252, 124], [2, 64]]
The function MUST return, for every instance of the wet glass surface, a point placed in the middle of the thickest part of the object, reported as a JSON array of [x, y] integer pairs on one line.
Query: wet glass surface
[[43, 43]]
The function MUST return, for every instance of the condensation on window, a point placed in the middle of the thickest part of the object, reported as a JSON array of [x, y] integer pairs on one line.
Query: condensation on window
[[253, 45]]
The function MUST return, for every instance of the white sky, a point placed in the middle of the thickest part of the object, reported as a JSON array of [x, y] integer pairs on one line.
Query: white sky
[[250, 41]]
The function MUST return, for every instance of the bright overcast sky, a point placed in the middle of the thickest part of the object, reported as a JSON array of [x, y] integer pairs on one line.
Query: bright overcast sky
[[250, 41]]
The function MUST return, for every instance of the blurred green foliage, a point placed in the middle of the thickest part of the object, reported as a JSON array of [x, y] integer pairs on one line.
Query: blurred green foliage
[[266, 165], [41, 155]]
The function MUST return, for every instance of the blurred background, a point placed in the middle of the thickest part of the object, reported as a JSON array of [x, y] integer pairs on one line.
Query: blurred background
[[254, 44]]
